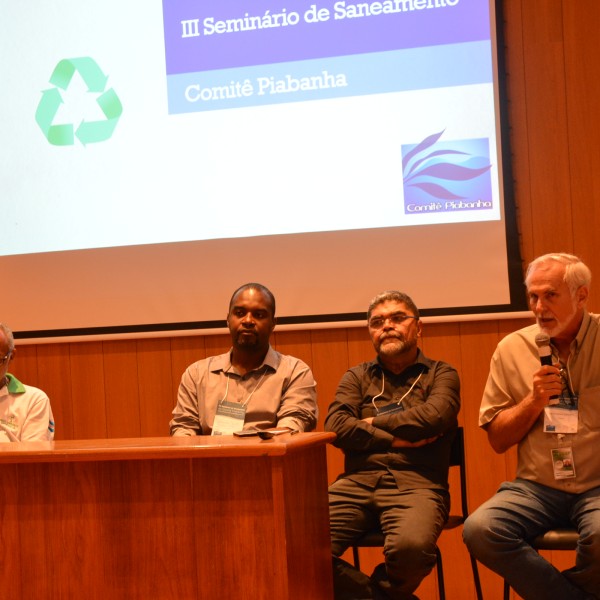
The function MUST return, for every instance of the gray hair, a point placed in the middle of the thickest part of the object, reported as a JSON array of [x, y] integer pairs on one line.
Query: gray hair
[[394, 296], [9, 337], [577, 273]]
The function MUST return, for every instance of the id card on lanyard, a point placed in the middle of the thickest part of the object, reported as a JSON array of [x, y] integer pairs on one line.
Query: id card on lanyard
[[229, 418], [561, 417]]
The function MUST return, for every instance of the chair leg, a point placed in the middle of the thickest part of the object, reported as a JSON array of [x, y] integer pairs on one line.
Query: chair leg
[[356, 557], [506, 595], [476, 579], [440, 574]]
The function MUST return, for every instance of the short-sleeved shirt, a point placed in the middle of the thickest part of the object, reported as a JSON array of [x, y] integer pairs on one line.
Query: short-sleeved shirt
[[25, 413], [510, 380]]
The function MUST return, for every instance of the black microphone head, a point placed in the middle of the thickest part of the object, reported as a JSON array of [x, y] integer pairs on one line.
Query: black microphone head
[[542, 339]]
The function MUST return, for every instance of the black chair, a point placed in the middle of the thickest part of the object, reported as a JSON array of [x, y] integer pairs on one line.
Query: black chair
[[374, 539], [554, 539]]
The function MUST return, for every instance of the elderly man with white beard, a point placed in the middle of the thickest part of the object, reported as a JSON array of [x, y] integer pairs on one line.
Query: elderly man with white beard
[[543, 393], [395, 418]]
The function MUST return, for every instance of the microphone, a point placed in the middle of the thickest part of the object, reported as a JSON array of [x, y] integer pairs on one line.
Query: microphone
[[542, 341]]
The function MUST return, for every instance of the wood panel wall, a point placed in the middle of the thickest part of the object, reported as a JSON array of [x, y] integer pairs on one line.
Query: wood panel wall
[[552, 55]]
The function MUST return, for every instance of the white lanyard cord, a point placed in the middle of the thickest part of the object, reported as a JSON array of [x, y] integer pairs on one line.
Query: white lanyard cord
[[406, 394], [244, 403]]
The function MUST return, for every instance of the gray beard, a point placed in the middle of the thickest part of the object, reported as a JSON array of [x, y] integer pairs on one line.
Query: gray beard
[[560, 326], [395, 348]]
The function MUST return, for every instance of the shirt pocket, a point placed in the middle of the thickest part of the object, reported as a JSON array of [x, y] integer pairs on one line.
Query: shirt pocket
[[589, 409]]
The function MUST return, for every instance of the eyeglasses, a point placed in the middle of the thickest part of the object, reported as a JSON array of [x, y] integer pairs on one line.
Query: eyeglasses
[[394, 319], [5, 359]]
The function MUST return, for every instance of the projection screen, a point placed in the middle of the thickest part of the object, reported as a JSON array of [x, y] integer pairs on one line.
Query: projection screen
[[157, 156]]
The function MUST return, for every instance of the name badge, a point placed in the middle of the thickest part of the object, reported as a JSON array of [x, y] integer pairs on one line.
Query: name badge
[[390, 409], [562, 417], [229, 418], [563, 463]]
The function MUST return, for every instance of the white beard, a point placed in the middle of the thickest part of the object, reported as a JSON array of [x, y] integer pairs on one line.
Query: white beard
[[560, 326]]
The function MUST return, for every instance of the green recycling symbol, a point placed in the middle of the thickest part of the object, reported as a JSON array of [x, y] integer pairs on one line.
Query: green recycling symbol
[[88, 132]]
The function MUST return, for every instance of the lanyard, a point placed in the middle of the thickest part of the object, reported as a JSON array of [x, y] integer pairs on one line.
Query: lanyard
[[404, 396], [244, 402]]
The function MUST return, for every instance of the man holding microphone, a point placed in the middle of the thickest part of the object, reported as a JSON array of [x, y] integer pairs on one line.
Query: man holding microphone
[[543, 393]]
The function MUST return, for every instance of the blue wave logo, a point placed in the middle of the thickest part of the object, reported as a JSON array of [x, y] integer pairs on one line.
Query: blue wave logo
[[447, 176]]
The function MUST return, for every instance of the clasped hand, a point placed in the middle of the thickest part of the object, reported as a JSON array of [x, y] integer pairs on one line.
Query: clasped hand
[[547, 383]]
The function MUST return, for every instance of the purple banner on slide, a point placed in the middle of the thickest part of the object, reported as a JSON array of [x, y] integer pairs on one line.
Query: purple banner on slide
[[202, 35]]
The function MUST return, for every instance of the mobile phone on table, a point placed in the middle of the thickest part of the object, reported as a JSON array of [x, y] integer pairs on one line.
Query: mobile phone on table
[[267, 434], [246, 432]]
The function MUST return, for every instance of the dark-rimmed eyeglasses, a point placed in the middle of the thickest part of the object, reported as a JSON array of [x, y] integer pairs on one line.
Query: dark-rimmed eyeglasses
[[394, 319]]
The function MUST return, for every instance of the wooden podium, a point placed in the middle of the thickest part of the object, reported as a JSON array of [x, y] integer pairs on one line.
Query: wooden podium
[[211, 518]]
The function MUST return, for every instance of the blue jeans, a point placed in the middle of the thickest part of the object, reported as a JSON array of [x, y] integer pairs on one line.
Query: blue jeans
[[499, 531]]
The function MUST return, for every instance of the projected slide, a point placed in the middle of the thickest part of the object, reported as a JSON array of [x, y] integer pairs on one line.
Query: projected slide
[[133, 123], [227, 55]]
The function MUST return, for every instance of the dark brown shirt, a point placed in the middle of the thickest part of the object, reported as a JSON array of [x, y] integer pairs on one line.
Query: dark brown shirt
[[429, 395]]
